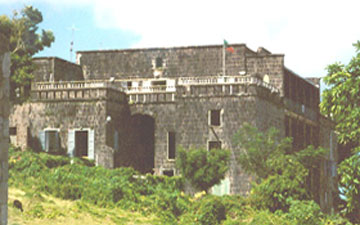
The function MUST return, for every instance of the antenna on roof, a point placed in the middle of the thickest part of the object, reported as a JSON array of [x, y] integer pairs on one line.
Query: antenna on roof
[[73, 29]]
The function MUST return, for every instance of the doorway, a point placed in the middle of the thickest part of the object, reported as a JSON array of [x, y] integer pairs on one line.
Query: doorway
[[81, 143]]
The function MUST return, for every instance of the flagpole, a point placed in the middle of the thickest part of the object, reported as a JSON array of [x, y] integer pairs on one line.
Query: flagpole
[[224, 59]]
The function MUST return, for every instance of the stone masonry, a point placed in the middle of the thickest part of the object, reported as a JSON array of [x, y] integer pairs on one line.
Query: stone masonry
[[4, 126]]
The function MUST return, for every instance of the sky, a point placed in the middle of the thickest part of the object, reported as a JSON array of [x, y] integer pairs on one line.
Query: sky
[[311, 33]]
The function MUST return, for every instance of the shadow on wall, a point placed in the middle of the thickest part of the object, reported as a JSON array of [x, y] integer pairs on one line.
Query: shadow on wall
[[137, 147]]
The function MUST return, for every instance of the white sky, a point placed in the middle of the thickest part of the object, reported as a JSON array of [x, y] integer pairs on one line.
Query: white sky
[[311, 34]]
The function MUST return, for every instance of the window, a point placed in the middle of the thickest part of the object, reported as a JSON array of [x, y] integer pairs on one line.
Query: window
[[168, 173], [158, 62], [12, 131], [214, 145], [158, 83], [52, 142], [171, 145], [81, 142], [49, 140], [215, 117]]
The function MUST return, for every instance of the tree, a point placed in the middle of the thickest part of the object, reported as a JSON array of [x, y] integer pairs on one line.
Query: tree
[[282, 173], [349, 183], [203, 168], [24, 43], [341, 102]]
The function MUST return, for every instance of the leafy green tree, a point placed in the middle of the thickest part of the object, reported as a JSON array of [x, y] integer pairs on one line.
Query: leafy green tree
[[258, 148], [349, 172], [341, 102], [281, 171], [25, 41], [203, 168]]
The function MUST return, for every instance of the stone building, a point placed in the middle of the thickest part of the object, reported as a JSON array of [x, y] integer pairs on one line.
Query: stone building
[[135, 107], [4, 125]]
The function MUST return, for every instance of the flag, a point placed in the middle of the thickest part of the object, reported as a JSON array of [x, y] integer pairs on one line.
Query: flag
[[228, 48]]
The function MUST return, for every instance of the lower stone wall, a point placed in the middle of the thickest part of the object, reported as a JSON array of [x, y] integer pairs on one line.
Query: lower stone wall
[[32, 118], [4, 128]]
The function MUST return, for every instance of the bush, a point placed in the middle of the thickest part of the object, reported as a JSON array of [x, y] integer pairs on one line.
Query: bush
[[203, 168], [304, 212], [207, 210]]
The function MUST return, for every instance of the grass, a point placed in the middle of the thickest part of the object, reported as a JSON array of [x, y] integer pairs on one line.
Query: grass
[[44, 209]]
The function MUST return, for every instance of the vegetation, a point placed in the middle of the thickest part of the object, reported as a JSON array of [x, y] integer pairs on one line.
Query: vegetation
[[349, 183], [341, 101], [281, 172], [341, 104], [25, 42], [57, 190], [203, 168]]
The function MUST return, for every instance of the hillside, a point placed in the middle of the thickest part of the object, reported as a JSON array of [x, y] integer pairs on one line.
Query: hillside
[[60, 190], [44, 209]]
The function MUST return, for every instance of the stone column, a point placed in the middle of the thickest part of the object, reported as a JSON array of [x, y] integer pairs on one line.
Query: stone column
[[4, 125]]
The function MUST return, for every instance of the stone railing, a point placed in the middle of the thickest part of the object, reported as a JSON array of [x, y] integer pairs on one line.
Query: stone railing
[[73, 85], [76, 90], [150, 89], [189, 81], [137, 98]]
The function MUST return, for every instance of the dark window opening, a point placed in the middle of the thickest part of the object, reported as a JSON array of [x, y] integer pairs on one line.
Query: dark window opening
[[215, 117], [81, 143], [51, 140], [158, 62], [158, 83], [12, 131], [129, 84], [171, 145], [140, 153], [168, 173], [214, 145]]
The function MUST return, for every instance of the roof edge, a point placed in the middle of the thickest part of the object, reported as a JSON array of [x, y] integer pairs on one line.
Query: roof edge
[[162, 48]]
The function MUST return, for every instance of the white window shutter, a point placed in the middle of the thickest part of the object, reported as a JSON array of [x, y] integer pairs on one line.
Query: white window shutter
[[91, 144], [57, 140], [71, 143], [42, 139], [47, 141]]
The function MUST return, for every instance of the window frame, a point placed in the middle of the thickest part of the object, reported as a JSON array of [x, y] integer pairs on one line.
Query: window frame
[[168, 145], [208, 144], [46, 143], [168, 169], [210, 117]]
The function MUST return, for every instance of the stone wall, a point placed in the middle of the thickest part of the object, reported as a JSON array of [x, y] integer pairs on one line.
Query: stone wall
[[188, 117], [271, 65], [56, 69], [76, 112], [4, 126], [179, 61]]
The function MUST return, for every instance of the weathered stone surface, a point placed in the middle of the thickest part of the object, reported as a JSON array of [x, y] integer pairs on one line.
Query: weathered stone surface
[[178, 61], [56, 69]]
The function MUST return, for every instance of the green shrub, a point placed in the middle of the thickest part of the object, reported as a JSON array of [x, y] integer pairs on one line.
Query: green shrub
[[304, 212], [268, 218], [209, 210], [236, 206], [203, 168]]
